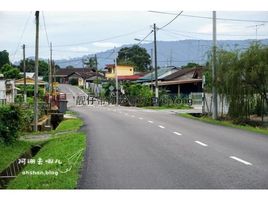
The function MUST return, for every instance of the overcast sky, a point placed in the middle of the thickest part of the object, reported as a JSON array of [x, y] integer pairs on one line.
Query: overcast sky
[[75, 34]]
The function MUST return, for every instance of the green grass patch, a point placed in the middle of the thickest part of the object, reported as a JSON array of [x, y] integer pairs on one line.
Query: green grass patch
[[70, 125], [68, 149], [180, 106], [10, 153], [225, 123], [70, 112]]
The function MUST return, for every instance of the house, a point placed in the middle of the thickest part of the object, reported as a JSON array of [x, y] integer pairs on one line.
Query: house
[[62, 75], [123, 71], [82, 76], [182, 82], [31, 81]]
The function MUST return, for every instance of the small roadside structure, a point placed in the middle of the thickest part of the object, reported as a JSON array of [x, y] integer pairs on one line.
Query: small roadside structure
[[8, 90], [30, 81]]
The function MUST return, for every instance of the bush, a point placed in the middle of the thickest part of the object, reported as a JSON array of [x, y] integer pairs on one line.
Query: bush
[[10, 123]]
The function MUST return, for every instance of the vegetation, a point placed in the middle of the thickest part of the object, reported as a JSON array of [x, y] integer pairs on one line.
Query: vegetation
[[10, 153], [242, 79], [226, 123], [70, 125], [10, 72], [4, 58], [134, 56], [10, 118], [68, 150]]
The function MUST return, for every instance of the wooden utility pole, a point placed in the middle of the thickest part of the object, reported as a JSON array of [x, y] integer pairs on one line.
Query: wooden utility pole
[[36, 73], [24, 75], [50, 79], [214, 90], [97, 74], [155, 68], [116, 77]]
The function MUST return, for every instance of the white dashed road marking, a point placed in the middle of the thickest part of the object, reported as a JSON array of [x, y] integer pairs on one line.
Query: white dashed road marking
[[177, 133], [201, 143], [151, 122], [240, 160], [140, 118], [161, 126]]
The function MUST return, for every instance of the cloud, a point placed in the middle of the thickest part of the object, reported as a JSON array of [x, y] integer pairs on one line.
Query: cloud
[[106, 44]]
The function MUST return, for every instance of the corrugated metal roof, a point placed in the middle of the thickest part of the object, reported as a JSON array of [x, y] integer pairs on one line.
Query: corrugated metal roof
[[161, 73]]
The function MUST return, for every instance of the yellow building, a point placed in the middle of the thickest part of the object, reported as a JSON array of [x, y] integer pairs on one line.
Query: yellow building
[[122, 70]]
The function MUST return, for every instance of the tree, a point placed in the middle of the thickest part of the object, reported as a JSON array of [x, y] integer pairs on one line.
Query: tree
[[190, 65], [69, 67], [242, 78], [135, 56], [10, 72], [30, 66], [4, 58], [91, 63]]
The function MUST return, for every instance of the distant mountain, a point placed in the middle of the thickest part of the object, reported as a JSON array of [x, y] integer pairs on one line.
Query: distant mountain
[[170, 53]]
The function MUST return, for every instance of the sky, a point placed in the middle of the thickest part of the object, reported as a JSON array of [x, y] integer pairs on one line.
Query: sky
[[75, 34]]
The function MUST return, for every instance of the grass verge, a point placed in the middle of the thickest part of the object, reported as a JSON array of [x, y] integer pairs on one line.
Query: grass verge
[[181, 106], [68, 150], [10, 153], [225, 123], [70, 125]]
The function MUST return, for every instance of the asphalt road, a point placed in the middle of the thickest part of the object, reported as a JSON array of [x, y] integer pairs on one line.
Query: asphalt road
[[131, 148]]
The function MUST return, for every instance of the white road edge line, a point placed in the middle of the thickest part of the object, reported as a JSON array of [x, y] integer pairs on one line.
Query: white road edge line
[[201, 143], [151, 122], [177, 133], [240, 160], [160, 126]]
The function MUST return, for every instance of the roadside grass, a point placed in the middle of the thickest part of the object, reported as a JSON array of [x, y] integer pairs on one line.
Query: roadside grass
[[69, 149], [180, 106], [70, 125], [225, 123], [10, 153]]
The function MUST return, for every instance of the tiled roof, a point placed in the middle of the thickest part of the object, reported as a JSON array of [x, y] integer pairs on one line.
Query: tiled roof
[[66, 72]]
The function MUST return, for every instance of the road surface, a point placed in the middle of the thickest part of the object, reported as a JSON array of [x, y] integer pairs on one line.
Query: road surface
[[132, 148]]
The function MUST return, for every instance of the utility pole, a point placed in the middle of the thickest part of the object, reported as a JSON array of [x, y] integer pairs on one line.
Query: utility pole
[[214, 90], [97, 76], [36, 72], [24, 74], [151, 70], [50, 87], [116, 76], [155, 68]]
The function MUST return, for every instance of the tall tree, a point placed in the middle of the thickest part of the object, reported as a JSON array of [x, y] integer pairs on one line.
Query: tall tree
[[135, 56], [10, 72], [4, 58], [30, 63]]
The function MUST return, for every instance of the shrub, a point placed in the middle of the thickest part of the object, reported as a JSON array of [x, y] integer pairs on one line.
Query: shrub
[[10, 123]]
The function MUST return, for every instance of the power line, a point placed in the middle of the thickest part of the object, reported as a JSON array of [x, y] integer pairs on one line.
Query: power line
[[22, 34], [171, 20], [205, 17], [45, 27], [101, 40], [145, 37]]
